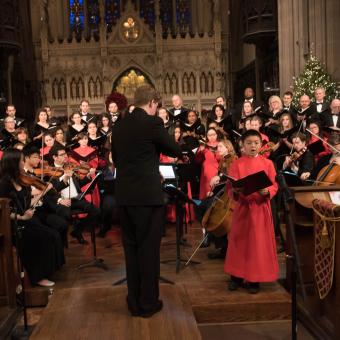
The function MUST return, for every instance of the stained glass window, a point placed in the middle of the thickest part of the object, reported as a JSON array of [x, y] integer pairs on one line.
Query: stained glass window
[[147, 12], [77, 16], [93, 14], [183, 16], [166, 16], [112, 13]]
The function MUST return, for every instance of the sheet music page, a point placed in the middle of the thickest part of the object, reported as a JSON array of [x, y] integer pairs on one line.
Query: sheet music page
[[335, 197], [167, 171]]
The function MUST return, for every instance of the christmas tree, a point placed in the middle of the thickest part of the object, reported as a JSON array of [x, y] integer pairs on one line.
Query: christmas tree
[[314, 75]]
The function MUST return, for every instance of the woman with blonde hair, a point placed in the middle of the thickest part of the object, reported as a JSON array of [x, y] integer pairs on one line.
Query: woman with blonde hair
[[275, 109]]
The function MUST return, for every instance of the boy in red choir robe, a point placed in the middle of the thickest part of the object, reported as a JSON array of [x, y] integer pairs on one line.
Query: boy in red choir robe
[[251, 254]]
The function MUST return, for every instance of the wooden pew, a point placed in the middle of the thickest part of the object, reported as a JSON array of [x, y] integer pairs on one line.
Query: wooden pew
[[321, 316], [8, 308]]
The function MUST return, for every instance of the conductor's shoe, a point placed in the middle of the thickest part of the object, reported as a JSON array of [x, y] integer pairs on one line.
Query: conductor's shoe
[[134, 310], [148, 313]]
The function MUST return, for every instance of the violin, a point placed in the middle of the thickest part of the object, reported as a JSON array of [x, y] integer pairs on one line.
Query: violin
[[210, 147], [81, 170], [49, 171], [30, 180], [268, 147], [297, 154]]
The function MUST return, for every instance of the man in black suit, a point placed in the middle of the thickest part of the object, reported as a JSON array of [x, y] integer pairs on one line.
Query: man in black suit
[[288, 106], [178, 112], [330, 118], [11, 112], [70, 192], [307, 112], [86, 116], [137, 141], [320, 104], [248, 97]]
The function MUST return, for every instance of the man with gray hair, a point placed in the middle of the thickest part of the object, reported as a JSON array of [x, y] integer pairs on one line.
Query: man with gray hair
[[178, 112], [320, 103]]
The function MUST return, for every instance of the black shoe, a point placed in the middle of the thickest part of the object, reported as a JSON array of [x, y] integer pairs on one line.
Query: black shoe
[[78, 235], [233, 285], [134, 311], [253, 287], [149, 313]]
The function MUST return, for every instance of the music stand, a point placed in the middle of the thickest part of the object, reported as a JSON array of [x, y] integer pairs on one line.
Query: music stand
[[180, 198], [95, 262]]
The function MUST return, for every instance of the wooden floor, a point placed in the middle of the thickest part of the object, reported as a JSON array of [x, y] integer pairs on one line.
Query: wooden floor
[[101, 313], [202, 287]]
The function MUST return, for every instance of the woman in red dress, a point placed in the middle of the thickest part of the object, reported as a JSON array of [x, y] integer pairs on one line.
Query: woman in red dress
[[208, 157]]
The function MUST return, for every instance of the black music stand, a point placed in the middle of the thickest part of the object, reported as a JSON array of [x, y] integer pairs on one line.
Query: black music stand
[[180, 198], [95, 262]]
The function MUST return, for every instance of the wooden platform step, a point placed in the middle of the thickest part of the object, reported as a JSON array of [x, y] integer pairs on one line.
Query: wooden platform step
[[101, 313], [213, 303]]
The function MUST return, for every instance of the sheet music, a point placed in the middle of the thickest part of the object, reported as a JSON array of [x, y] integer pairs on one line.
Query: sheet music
[[335, 197], [167, 171]]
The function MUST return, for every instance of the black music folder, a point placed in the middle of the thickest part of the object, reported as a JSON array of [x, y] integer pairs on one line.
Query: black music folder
[[316, 147], [251, 183]]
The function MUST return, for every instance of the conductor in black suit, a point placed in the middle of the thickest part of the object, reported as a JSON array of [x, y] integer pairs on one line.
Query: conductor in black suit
[[137, 141]]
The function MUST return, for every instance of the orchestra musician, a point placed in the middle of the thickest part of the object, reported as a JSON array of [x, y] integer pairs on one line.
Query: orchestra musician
[[301, 162], [208, 158], [68, 195], [42, 248]]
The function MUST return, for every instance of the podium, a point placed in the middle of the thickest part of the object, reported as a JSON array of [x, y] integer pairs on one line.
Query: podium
[[320, 315]]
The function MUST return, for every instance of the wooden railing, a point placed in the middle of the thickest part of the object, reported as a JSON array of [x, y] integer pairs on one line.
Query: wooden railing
[[7, 273]]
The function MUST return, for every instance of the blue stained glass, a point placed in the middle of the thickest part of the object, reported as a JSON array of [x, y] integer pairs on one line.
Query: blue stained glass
[[112, 12], [147, 12], [76, 15]]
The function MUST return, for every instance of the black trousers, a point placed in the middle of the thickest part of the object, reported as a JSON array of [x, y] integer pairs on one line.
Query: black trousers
[[141, 234]]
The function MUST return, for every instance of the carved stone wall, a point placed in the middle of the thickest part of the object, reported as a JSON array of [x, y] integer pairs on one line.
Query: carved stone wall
[[74, 66]]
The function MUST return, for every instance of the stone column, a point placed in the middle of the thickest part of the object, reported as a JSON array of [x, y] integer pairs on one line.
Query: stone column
[[332, 42], [60, 20], [293, 40]]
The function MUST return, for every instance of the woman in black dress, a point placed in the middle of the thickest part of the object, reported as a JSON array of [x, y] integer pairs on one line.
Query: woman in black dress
[[41, 126], [42, 248], [75, 128]]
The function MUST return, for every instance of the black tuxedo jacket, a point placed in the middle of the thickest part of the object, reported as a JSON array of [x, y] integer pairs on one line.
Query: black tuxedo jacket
[[137, 141], [305, 163], [324, 108], [89, 118], [327, 120], [182, 116]]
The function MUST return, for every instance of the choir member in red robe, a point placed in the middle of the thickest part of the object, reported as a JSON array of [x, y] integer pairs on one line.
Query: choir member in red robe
[[251, 254], [208, 157]]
